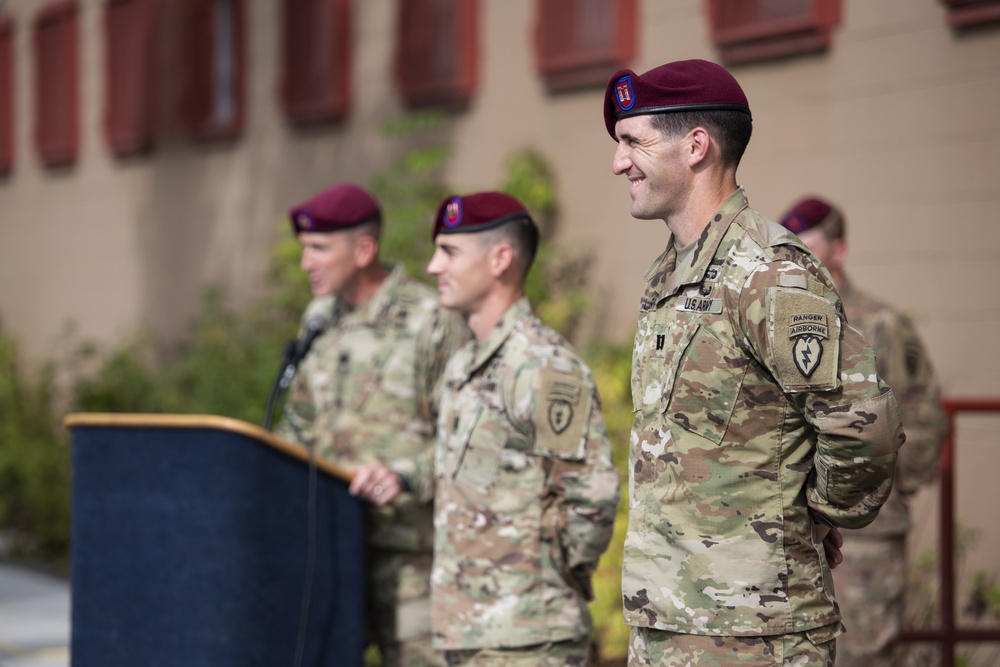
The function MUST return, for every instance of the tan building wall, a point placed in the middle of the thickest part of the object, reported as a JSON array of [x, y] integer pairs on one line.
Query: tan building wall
[[897, 123]]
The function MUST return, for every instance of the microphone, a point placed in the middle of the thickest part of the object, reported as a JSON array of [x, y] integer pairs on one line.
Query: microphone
[[295, 352], [316, 325]]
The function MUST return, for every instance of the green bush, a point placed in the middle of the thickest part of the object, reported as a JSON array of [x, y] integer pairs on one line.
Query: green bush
[[612, 368], [34, 462]]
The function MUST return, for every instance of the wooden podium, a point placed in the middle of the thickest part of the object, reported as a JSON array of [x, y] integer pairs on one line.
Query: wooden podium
[[203, 540]]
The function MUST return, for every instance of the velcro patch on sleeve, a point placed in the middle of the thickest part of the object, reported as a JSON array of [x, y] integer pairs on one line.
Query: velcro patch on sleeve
[[562, 414], [805, 340]]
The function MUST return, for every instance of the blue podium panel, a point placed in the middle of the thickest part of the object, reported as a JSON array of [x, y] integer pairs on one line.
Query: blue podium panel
[[193, 546]]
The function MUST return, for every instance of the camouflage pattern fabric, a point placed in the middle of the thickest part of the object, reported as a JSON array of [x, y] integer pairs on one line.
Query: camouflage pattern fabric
[[870, 586], [904, 365], [658, 648], [526, 491], [367, 392], [399, 613], [758, 413], [871, 580], [553, 654]]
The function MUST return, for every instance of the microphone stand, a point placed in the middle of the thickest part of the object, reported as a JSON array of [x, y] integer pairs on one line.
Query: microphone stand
[[284, 378]]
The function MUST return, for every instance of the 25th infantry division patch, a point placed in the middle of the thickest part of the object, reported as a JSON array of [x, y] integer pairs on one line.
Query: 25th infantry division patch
[[805, 339], [562, 413]]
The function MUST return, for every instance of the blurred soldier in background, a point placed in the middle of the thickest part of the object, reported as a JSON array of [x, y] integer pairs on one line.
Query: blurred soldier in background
[[364, 398], [871, 581], [526, 490]]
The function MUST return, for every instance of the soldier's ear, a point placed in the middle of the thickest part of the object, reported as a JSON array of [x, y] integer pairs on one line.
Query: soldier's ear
[[838, 253], [501, 258], [365, 250], [698, 141]]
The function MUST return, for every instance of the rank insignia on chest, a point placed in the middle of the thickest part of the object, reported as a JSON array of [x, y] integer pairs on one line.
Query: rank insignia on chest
[[808, 331]]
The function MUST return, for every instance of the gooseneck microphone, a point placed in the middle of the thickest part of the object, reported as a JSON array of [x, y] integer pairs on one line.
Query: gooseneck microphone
[[295, 352]]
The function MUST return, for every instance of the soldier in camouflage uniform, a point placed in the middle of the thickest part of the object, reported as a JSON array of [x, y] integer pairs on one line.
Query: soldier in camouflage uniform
[[525, 488], [871, 580], [365, 396], [760, 420]]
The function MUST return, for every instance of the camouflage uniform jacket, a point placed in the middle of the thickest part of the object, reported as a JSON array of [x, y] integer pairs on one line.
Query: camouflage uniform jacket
[[526, 490], [365, 393], [903, 365], [757, 413]]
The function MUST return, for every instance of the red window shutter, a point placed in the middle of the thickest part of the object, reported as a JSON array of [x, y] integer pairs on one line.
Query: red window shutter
[[581, 43], [216, 46], [965, 13], [436, 52], [746, 30], [56, 133], [317, 49], [129, 75], [6, 96]]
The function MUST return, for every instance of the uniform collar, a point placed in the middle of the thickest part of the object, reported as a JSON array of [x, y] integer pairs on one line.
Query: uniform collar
[[375, 308], [666, 278], [484, 350]]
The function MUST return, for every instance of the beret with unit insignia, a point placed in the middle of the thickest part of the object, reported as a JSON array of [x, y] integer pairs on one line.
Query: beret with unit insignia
[[808, 213], [463, 214], [685, 85], [338, 207]]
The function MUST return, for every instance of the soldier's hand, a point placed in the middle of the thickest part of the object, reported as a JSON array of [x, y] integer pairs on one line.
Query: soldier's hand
[[376, 483], [832, 542]]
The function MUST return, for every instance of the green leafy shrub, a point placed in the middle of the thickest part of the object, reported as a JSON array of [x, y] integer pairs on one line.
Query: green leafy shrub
[[34, 462]]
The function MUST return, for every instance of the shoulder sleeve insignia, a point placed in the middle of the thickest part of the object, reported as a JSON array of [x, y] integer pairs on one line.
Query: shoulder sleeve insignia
[[804, 332], [561, 414]]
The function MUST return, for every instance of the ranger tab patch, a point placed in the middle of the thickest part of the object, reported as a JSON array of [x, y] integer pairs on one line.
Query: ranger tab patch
[[562, 412], [804, 333], [808, 330]]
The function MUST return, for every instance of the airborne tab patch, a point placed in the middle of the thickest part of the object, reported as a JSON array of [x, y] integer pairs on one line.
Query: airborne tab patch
[[562, 412], [808, 330], [804, 333]]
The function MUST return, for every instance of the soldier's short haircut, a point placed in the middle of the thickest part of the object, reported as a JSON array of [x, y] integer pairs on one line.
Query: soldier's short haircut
[[833, 227], [730, 129], [522, 236], [371, 227]]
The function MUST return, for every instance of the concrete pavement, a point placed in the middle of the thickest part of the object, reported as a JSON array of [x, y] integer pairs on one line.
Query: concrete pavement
[[34, 618]]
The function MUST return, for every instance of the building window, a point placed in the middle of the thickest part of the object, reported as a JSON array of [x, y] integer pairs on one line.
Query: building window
[[746, 30], [56, 83], [6, 95], [317, 53], [436, 52], [965, 13], [129, 75], [581, 43], [214, 107]]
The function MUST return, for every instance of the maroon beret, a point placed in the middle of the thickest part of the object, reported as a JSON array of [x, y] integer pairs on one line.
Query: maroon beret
[[807, 214], [686, 85], [477, 212], [338, 207]]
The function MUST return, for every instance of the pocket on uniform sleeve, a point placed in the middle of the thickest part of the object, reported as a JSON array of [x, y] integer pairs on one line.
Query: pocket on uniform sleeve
[[708, 383]]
